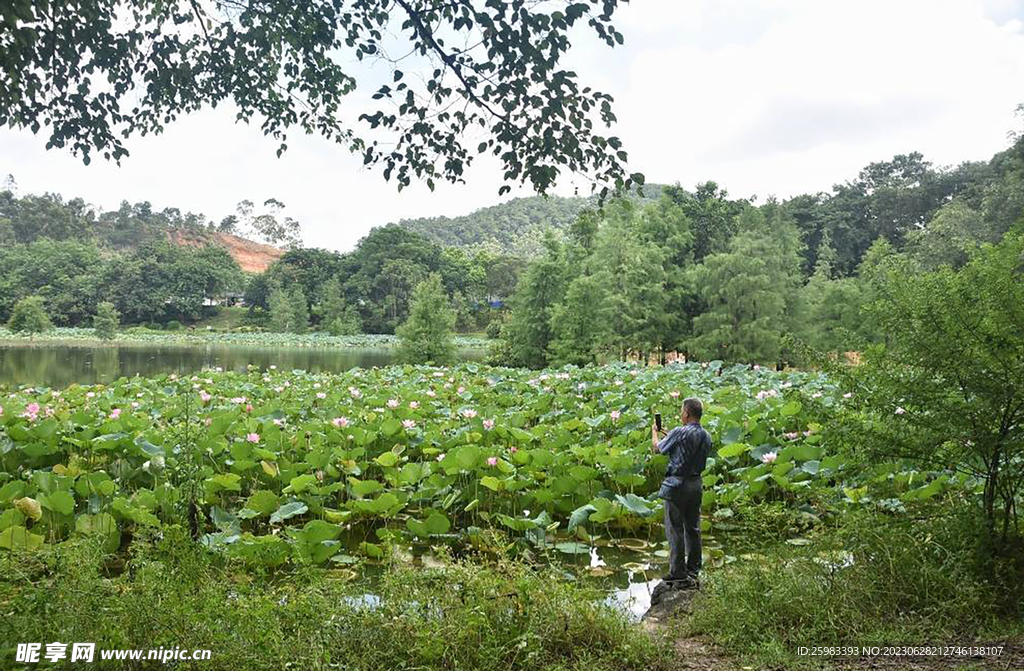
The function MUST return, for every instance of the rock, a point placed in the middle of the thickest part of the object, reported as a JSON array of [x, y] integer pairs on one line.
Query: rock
[[671, 603]]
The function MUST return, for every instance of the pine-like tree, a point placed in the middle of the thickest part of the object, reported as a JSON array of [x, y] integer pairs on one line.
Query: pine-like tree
[[107, 320], [750, 292], [299, 310], [580, 323], [281, 313], [427, 335]]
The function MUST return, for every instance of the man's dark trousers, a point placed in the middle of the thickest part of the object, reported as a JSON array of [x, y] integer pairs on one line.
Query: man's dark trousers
[[682, 527]]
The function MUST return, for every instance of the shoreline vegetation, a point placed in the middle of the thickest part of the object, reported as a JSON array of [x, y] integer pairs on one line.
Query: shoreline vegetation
[[86, 337], [258, 506]]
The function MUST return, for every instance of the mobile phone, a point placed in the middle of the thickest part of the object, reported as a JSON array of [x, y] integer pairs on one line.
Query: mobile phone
[[657, 421]]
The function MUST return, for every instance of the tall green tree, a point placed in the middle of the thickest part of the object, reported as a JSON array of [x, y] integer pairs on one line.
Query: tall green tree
[[632, 270], [336, 316], [427, 335], [299, 310], [750, 292], [528, 334], [580, 323], [281, 313]]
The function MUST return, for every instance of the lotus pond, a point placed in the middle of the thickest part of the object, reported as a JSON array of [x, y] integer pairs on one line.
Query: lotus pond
[[353, 470]]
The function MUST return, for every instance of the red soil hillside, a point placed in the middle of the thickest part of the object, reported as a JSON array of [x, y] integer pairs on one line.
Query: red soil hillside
[[253, 257]]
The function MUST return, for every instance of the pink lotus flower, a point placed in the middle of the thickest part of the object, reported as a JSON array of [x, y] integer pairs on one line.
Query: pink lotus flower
[[248, 407], [278, 390], [321, 395], [204, 397], [614, 414], [272, 367], [32, 408], [900, 411], [115, 413], [253, 437], [848, 394], [354, 392], [757, 367], [49, 411], [674, 394], [238, 399], [409, 424], [469, 413], [278, 422], [792, 435], [316, 385], [393, 403], [208, 421], [440, 457], [816, 394], [461, 389], [618, 383], [769, 458], [340, 422], [488, 424], [492, 461], [1, 409], [431, 393], [90, 394], [56, 394], [513, 449], [581, 386], [414, 404]]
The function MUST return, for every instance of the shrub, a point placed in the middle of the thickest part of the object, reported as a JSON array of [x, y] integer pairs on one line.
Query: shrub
[[29, 316], [107, 320], [874, 581]]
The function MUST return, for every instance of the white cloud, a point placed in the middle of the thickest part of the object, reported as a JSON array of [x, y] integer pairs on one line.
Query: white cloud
[[823, 90], [764, 96]]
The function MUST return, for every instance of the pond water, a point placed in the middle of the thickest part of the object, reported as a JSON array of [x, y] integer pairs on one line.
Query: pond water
[[61, 365]]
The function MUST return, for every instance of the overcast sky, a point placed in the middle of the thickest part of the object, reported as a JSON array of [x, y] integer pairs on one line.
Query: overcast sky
[[767, 97]]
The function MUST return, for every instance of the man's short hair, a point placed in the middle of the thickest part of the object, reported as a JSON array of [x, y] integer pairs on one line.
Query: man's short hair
[[693, 407]]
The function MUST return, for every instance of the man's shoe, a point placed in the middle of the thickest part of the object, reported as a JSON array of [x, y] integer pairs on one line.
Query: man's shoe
[[686, 583]]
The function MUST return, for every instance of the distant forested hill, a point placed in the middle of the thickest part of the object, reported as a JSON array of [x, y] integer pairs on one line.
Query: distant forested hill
[[515, 227]]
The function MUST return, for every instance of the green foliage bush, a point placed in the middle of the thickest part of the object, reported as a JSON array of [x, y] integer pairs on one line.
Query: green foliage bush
[[494, 328], [29, 316], [875, 580], [172, 325]]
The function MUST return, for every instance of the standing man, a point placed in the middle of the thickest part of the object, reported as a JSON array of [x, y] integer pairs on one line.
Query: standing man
[[687, 448]]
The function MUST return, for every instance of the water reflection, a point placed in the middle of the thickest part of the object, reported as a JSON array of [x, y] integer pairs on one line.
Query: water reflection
[[61, 365]]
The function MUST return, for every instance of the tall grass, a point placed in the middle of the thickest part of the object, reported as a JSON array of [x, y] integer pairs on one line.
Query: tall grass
[[171, 594], [875, 580]]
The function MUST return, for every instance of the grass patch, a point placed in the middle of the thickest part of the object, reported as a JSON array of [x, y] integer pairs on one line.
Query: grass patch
[[875, 580], [173, 593]]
